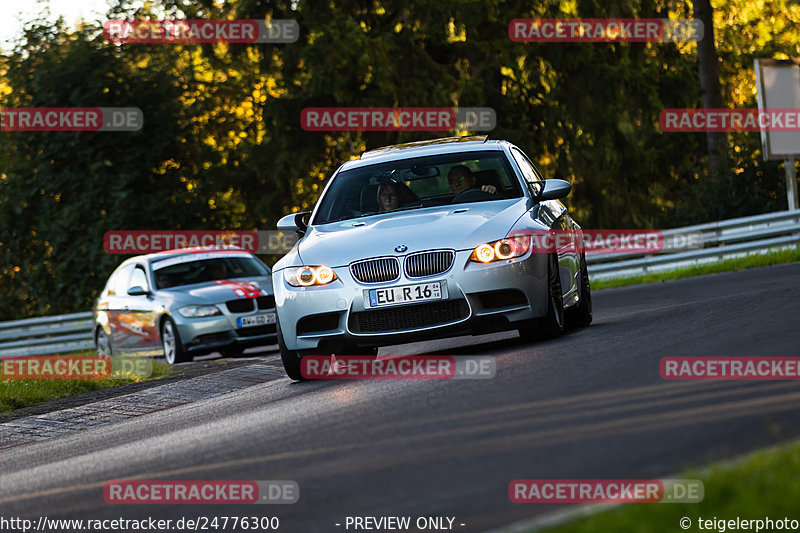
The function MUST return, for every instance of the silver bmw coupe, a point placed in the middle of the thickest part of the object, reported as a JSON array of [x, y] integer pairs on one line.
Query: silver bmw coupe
[[425, 240]]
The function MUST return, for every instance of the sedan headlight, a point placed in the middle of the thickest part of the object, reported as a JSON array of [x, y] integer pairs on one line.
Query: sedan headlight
[[501, 250], [306, 276], [199, 311]]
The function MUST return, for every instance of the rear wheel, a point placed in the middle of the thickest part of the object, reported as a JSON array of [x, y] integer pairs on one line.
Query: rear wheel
[[581, 314], [291, 359], [552, 325], [171, 343]]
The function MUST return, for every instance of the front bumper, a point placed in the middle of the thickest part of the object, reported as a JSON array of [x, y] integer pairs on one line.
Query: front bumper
[[205, 335], [481, 298]]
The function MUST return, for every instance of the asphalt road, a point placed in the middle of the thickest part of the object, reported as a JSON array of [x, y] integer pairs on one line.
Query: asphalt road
[[590, 404]]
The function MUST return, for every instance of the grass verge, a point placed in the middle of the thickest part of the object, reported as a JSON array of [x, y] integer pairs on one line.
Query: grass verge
[[741, 263], [19, 393], [763, 484]]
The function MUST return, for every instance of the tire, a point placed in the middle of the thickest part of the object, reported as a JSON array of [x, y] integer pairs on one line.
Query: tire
[[580, 315], [171, 343], [291, 359], [102, 343], [552, 325]]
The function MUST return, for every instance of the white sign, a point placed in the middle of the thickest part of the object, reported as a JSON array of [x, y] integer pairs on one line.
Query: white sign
[[778, 84]]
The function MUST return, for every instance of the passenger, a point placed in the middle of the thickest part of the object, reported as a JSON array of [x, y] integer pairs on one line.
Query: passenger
[[393, 195], [465, 188]]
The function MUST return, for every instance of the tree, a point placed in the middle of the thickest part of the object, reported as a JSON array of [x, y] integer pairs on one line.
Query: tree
[[710, 88]]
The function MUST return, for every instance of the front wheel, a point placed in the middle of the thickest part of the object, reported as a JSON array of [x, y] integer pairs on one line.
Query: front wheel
[[291, 359], [581, 314], [171, 343], [102, 343], [552, 325]]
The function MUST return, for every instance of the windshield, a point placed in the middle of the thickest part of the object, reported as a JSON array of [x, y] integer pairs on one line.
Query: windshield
[[420, 182], [187, 273]]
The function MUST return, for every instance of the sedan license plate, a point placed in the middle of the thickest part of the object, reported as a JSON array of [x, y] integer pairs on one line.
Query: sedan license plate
[[261, 319], [405, 294]]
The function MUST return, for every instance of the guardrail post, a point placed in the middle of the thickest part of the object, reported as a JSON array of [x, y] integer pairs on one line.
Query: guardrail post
[[791, 184]]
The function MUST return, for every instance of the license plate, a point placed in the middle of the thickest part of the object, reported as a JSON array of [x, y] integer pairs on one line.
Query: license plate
[[405, 294], [261, 319]]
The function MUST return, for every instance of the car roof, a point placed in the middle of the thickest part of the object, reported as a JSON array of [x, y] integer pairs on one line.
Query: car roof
[[168, 254], [446, 145]]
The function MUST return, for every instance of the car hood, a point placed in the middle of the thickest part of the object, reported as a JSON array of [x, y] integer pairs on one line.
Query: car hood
[[459, 227], [223, 290]]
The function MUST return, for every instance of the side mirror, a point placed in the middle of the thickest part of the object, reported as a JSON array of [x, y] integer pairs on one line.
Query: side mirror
[[293, 222], [138, 291], [553, 189]]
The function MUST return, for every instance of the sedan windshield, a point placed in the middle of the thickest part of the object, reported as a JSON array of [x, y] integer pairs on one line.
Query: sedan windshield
[[218, 268], [420, 182]]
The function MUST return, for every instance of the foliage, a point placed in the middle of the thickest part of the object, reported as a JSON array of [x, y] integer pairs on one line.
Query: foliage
[[222, 146]]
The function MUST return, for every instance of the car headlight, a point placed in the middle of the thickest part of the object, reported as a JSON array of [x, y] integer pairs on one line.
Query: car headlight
[[306, 276], [501, 250], [199, 311]]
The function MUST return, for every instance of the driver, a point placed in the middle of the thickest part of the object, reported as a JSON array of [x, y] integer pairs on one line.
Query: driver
[[465, 188], [163, 280], [217, 270]]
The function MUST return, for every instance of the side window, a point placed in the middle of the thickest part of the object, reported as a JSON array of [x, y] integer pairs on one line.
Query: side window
[[527, 168], [120, 286], [138, 279]]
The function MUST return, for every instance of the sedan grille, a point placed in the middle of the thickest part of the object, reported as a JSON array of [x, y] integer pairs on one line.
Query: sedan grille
[[429, 263], [408, 317], [376, 270], [244, 305]]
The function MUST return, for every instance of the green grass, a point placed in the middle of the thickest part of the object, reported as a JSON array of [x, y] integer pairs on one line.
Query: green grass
[[19, 393], [764, 484], [742, 263]]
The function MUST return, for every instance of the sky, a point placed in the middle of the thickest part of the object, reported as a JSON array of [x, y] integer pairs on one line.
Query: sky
[[72, 10]]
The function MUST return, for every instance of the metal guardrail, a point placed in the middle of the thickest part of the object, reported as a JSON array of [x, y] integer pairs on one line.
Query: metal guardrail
[[721, 240], [47, 335]]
